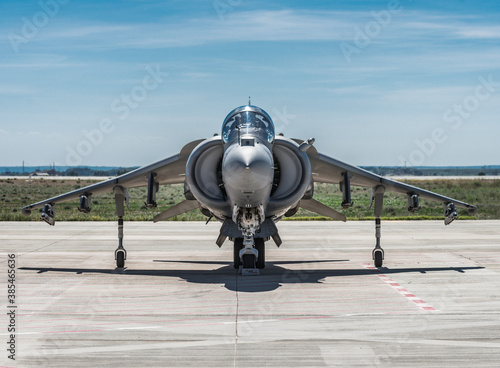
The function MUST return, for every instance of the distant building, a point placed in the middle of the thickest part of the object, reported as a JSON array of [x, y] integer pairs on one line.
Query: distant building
[[39, 174]]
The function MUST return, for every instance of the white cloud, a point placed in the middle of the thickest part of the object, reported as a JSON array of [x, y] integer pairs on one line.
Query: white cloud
[[264, 25], [86, 31], [480, 32], [17, 90], [284, 25], [418, 66]]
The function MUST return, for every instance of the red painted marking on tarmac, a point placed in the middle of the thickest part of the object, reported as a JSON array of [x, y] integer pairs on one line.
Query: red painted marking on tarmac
[[411, 297]]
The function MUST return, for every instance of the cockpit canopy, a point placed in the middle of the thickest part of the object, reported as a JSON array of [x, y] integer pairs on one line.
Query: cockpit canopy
[[248, 120]]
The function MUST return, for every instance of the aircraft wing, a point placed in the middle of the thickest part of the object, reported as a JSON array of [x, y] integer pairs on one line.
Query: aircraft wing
[[329, 170], [170, 170]]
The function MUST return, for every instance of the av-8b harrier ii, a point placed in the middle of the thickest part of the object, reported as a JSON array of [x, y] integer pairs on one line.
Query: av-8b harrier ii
[[248, 178]]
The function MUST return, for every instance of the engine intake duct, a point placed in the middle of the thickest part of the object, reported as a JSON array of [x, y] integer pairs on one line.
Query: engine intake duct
[[202, 181], [295, 180]]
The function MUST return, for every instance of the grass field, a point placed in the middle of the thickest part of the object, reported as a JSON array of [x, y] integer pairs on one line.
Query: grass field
[[16, 193]]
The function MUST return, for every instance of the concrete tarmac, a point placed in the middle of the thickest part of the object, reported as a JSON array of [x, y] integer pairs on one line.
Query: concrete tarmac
[[318, 303]]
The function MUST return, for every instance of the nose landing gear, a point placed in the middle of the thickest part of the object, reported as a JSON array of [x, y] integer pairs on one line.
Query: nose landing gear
[[249, 263], [249, 251]]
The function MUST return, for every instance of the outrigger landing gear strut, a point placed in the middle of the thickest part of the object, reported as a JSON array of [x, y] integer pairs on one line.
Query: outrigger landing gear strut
[[120, 252], [378, 198]]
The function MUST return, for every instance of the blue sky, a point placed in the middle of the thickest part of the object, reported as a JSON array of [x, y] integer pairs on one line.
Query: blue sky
[[130, 82]]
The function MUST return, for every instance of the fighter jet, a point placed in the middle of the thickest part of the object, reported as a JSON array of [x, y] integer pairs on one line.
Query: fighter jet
[[249, 178]]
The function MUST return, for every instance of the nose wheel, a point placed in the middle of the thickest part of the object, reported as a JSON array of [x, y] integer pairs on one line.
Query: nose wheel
[[249, 260], [261, 257], [238, 245]]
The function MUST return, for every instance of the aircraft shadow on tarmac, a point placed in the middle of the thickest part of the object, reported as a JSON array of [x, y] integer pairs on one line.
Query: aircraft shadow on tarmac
[[271, 278]]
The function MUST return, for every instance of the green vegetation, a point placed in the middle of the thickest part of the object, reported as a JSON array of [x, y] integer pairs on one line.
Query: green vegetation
[[16, 193]]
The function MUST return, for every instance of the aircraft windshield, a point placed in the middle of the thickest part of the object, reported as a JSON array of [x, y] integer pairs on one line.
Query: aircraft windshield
[[248, 122]]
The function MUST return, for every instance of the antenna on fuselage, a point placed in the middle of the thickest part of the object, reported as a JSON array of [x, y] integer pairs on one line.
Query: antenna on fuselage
[[249, 101]]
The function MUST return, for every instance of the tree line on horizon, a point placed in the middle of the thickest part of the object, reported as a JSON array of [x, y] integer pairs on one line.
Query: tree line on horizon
[[380, 170]]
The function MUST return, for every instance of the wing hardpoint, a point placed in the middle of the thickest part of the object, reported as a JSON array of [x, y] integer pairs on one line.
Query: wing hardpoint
[[329, 170], [170, 170]]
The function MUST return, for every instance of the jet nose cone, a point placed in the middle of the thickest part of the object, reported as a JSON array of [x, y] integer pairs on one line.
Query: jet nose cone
[[247, 168]]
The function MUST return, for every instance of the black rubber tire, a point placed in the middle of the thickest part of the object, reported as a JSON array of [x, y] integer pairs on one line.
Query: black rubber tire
[[378, 259], [120, 259], [261, 248], [248, 261], [238, 245]]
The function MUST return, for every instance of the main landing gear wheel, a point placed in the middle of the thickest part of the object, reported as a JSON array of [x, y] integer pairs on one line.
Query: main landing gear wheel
[[260, 246], [378, 257], [120, 259], [238, 245]]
